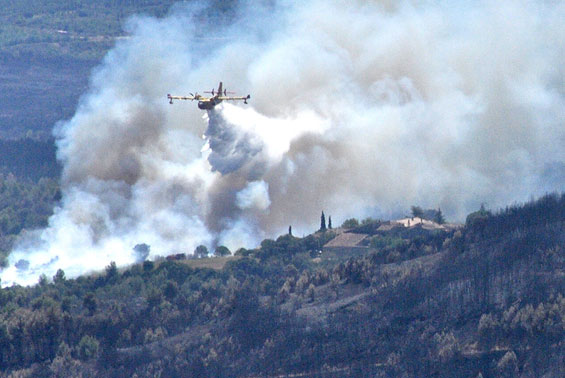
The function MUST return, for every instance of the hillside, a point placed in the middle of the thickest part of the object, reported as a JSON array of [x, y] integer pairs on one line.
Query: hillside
[[48, 49], [29, 188], [484, 299], [68, 29]]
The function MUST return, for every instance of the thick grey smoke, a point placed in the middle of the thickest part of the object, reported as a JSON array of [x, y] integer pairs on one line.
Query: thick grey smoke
[[358, 108], [230, 147]]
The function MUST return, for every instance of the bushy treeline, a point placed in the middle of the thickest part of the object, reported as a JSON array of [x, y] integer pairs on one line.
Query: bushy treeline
[[456, 305], [24, 204], [123, 314], [482, 225], [29, 188]]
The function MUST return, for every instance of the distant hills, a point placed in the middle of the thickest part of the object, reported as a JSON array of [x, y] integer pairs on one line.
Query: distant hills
[[48, 49], [68, 29]]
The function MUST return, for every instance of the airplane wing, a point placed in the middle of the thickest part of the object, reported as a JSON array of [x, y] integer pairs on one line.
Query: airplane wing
[[195, 97], [227, 98]]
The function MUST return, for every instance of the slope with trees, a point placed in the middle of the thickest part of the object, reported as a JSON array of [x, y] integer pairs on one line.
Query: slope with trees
[[489, 300], [29, 188]]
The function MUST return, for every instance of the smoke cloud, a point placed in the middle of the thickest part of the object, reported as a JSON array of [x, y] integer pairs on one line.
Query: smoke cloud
[[358, 108]]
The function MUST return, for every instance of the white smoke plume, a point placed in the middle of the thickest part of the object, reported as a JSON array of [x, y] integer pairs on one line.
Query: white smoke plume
[[358, 108]]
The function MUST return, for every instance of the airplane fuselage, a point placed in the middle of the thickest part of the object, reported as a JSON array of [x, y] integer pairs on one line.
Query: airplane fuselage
[[208, 104]]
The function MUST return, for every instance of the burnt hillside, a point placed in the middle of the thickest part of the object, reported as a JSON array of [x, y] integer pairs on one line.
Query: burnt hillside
[[484, 299]]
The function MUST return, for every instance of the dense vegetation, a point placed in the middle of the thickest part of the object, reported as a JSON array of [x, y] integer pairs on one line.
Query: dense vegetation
[[485, 299], [29, 188], [68, 29]]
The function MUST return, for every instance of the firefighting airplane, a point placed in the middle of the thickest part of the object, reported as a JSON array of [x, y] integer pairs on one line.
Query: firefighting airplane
[[208, 103]]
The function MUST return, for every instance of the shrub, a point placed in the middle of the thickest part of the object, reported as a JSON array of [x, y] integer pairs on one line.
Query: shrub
[[88, 348]]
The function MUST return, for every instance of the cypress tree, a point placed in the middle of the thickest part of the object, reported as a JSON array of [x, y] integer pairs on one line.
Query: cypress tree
[[323, 222], [439, 217]]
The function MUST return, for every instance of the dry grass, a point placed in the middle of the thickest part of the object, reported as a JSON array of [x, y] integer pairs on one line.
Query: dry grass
[[216, 263]]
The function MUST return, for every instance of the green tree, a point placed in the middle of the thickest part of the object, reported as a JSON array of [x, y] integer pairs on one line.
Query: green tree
[[4, 343], [508, 365], [148, 266], [323, 222], [350, 223], [488, 330], [59, 277], [111, 271], [171, 290], [478, 217], [417, 212], [201, 251], [438, 218], [269, 248], [88, 348], [66, 304], [43, 280], [222, 251], [242, 252], [154, 298], [89, 302]]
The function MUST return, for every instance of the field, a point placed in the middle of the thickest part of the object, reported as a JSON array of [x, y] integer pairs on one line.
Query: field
[[216, 263]]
